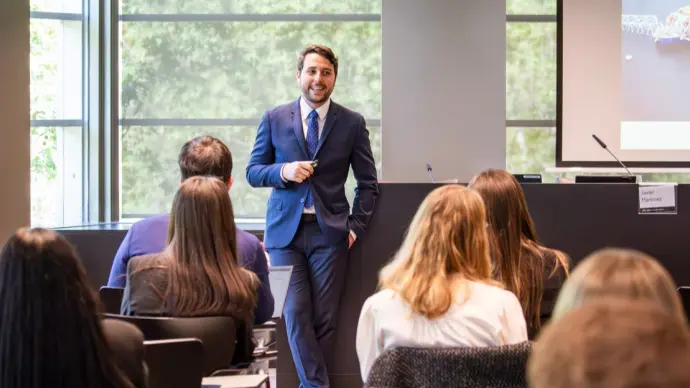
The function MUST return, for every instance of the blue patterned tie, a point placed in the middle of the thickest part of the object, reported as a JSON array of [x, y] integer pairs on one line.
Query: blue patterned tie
[[312, 143]]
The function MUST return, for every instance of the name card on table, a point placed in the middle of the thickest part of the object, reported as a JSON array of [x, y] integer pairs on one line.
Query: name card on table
[[658, 199]]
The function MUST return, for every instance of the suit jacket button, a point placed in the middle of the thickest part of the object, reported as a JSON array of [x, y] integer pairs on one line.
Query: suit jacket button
[[301, 200]]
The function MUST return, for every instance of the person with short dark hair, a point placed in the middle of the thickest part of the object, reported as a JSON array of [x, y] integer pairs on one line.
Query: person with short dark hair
[[201, 156], [304, 151], [612, 343], [51, 334]]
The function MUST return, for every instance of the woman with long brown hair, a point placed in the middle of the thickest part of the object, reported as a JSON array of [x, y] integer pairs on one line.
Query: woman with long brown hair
[[525, 267], [198, 273], [51, 334], [438, 291]]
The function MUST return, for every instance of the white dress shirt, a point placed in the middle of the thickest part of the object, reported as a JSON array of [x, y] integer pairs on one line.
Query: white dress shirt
[[490, 316]]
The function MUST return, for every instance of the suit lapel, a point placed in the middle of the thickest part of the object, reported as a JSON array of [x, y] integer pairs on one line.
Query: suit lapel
[[331, 117], [296, 120]]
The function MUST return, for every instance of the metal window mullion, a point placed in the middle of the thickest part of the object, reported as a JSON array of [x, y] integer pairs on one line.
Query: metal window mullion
[[56, 16], [230, 17], [531, 123], [93, 109], [531, 18], [177, 122]]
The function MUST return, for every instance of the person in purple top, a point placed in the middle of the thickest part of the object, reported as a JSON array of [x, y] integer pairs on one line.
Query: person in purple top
[[201, 156]]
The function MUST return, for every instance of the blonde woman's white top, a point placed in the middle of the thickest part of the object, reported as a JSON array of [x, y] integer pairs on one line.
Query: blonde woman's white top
[[489, 316]]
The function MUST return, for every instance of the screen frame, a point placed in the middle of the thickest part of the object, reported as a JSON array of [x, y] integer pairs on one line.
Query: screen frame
[[559, 116]]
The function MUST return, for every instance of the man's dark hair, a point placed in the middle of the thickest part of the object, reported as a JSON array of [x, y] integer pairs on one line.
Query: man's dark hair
[[205, 156], [320, 50]]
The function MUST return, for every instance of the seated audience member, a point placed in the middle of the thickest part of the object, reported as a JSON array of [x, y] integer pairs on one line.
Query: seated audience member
[[621, 273], [437, 291], [202, 156], [198, 273], [612, 343], [526, 268], [50, 332]]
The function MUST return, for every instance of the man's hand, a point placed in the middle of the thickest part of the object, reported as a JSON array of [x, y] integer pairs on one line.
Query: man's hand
[[351, 240], [297, 171]]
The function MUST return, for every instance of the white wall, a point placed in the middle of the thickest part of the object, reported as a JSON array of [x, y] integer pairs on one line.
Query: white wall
[[15, 207], [444, 88]]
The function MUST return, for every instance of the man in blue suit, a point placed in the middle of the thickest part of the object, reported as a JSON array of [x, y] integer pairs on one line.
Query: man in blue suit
[[304, 151], [204, 155]]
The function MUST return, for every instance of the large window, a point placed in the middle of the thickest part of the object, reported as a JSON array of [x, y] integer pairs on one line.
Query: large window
[[57, 105], [190, 68], [531, 86]]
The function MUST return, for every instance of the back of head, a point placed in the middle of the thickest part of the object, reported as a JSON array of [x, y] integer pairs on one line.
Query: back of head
[[622, 273], [205, 156], [446, 242], [204, 275], [51, 334], [515, 250], [612, 344]]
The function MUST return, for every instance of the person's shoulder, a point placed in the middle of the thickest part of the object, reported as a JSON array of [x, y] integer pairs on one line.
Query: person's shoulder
[[120, 330], [490, 291], [555, 261], [281, 110], [345, 111], [246, 238], [381, 299], [158, 222], [247, 243], [146, 261]]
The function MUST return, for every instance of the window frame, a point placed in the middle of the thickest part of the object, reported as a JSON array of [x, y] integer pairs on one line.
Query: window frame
[[69, 124], [114, 206]]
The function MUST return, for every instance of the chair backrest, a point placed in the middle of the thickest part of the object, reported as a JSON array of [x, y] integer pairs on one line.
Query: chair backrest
[[217, 334], [174, 363], [475, 367], [111, 297], [684, 293]]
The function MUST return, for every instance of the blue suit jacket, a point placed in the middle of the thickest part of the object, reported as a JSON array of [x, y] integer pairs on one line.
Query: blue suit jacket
[[344, 142], [150, 235]]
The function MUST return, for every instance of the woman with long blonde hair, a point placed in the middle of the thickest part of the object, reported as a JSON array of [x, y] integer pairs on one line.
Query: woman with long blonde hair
[[438, 290], [623, 274], [533, 272]]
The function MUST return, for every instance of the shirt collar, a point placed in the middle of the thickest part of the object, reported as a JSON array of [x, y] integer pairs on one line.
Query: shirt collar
[[305, 109]]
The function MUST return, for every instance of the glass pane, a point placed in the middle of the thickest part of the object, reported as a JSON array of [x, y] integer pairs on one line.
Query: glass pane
[[150, 175], [56, 176], [67, 6], [253, 6], [531, 151], [531, 7], [56, 69], [531, 71], [240, 69]]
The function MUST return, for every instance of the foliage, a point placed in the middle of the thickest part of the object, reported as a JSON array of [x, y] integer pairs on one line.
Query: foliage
[[228, 70], [43, 139], [237, 70]]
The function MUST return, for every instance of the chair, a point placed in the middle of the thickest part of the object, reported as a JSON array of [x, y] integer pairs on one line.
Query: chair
[[684, 293], [475, 367], [174, 363], [111, 297], [217, 334]]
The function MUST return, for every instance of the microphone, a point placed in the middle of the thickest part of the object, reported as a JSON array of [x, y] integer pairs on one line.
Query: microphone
[[601, 143], [431, 174]]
